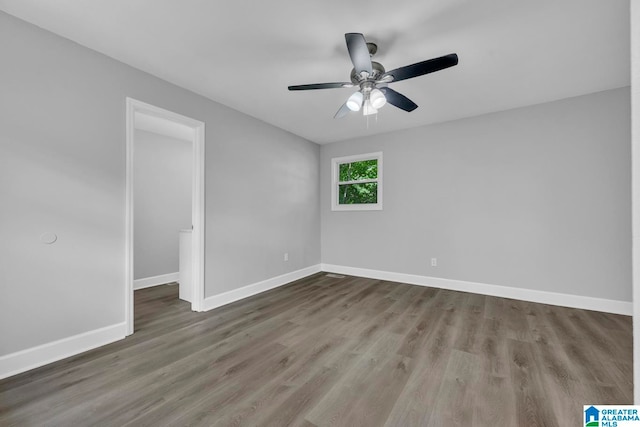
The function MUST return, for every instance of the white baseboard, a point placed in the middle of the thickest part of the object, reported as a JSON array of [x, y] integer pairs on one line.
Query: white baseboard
[[544, 297], [34, 357], [256, 288], [162, 279]]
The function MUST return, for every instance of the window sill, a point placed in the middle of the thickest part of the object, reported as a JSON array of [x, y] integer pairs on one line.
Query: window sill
[[363, 207]]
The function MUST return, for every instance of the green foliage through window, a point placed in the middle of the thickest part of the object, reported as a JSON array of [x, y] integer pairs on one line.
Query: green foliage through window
[[358, 193], [350, 194], [366, 169]]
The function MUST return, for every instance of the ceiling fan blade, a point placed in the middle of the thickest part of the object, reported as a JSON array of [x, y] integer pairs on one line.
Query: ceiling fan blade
[[424, 67], [321, 86], [359, 52], [343, 111], [399, 100]]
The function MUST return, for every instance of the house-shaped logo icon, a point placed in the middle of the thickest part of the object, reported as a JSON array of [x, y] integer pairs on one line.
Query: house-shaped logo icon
[[591, 417]]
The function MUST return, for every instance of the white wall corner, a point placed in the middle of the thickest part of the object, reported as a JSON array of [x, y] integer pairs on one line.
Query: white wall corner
[[162, 279], [259, 287], [531, 295], [31, 358]]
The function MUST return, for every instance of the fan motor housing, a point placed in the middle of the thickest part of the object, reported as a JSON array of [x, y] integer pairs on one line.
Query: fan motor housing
[[378, 71]]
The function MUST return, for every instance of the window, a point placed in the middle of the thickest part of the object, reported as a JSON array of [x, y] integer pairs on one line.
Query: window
[[356, 182]]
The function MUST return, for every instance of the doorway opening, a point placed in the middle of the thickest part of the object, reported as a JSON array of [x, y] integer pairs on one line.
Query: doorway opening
[[144, 121]]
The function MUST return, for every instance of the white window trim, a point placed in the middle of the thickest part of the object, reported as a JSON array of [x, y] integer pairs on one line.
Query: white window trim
[[335, 167]]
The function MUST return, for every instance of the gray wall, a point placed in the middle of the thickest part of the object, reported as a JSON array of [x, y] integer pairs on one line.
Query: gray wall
[[62, 169], [162, 181], [536, 198], [635, 107]]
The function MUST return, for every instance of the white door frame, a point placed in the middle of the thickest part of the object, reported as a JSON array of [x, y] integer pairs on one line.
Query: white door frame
[[197, 199]]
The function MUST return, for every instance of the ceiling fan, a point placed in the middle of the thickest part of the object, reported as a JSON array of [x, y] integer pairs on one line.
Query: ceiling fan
[[372, 79]]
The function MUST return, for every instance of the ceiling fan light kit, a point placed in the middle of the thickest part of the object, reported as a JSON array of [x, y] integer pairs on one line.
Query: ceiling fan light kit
[[373, 80]]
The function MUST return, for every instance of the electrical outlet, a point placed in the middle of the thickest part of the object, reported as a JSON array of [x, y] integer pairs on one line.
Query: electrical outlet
[[286, 256], [434, 262]]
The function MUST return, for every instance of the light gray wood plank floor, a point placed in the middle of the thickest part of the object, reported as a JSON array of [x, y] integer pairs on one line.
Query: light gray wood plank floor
[[337, 352]]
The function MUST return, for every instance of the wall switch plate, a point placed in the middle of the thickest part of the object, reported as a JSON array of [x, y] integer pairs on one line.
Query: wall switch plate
[[286, 256], [434, 262]]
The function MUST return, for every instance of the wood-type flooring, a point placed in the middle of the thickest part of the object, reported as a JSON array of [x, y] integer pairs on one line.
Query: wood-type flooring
[[326, 351]]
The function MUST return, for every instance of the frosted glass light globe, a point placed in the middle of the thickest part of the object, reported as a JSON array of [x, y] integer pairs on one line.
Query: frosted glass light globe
[[355, 101], [377, 99]]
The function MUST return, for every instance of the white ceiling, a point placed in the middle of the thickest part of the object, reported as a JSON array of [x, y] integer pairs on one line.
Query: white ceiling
[[244, 54]]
